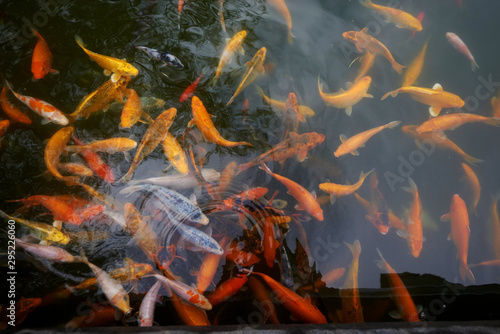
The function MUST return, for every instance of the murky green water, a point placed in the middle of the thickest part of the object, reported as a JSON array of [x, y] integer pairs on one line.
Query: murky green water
[[114, 27]]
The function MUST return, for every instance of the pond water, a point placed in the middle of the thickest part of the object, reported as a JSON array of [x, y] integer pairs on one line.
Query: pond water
[[197, 39]]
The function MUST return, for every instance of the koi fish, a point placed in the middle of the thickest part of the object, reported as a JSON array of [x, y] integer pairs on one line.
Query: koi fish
[[166, 58], [306, 200], [110, 64], [413, 233], [175, 154], [208, 269], [41, 62], [233, 45], [364, 41], [495, 262], [201, 118], [190, 89], [436, 97], [349, 293], [366, 61], [59, 208], [199, 239], [330, 277], [12, 112], [53, 150], [132, 110], [41, 231], [400, 18], [291, 115], [110, 90], [460, 232], [101, 315], [141, 232], [227, 289], [51, 253], [226, 177], [262, 296], [413, 71], [301, 308], [77, 169], [280, 5], [460, 46], [453, 121], [241, 258], [189, 314], [254, 68], [95, 162], [221, 15], [110, 146], [185, 292], [305, 111], [346, 99], [146, 311], [42, 108], [420, 17], [269, 242], [113, 290], [474, 185], [439, 139], [406, 307], [185, 181], [295, 145], [375, 217], [338, 190], [494, 227], [4, 126], [353, 143], [156, 132]]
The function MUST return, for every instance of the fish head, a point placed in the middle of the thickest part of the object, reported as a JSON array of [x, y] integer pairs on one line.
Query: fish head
[[39, 69], [128, 69], [319, 215], [317, 138], [59, 238], [350, 36], [171, 60], [378, 220]]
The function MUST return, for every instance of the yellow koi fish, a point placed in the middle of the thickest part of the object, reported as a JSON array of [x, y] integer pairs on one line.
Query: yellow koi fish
[[254, 68], [413, 71], [233, 45], [338, 190], [413, 233], [110, 64], [346, 99], [280, 5], [110, 146], [474, 185], [53, 150], [175, 154], [349, 294], [366, 61], [305, 111], [436, 97], [400, 18]]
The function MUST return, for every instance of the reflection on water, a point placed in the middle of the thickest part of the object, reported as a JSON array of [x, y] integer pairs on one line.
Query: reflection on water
[[312, 257]]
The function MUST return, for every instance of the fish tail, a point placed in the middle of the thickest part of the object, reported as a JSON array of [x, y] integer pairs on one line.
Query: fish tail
[[393, 93], [413, 187], [362, 176], [127, 177], [243, 143], [398, 67], [474, 65], [36, 33], [392, 124], [471, 159], [79, 41], [465, 272], [366, 3], [493, 121], [382, 263], [355, 248], [242, 168], [265, 169], [290, 37]]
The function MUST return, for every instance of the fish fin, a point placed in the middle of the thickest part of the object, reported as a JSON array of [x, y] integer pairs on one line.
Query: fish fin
[[191, 123], [393, 124], [301, 156], [115, 77], [394, 314], [419, 308], [192, 199], [348, 85], [355, 152], [298, 207], [413, 187], [438, 87], [393, 93], [107, 72], [445, 217], [332, 198], [44, 121], [359, 49], [434, 110], [355, 248], [449, 237], [364, 30], [370, 96], [290, 38], [126, 156], [348, 111], [474, 65], [53, 71], [465, 272], [343, 138], [241, 51], [402, 233]]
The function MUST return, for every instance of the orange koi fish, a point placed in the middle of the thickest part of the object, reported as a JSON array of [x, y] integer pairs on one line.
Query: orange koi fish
[[495, 262], [254, 68], [406, 307], [280, 5], [413, 71], [100, 315], [226, 177], [53, 150], [352, 144], [346, 99], [413, 233], [436, 97], [185, 292], [201, 118], [330, 277], [175, 154], [366, 61], [190, 89], [12, 112], [269, 242], [227, 289], [190, 314], [41, 62], [110, 64], [132, 110], [110, 146], [156, 132], [262, 296], [460, 46], [295, 145], [372, 214], [291, 115], [233, 45], [74, 168], [110, 90], [400, 18], [349, 294], [494, 227], [208, 269], [474, 185], [301, 308], [305, 111], [96, 163], [364, 41], [453, 121], [42, 108], [338, 190], [141, 232], [460, 232], [439, 139], [306, 201], [241, 257]]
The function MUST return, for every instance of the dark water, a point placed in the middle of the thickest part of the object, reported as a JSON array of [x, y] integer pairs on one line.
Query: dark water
[[115, 27]]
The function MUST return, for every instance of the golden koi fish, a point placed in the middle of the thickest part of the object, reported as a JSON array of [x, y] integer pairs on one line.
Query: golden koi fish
[[305, 111], [366, 61], [338, 190], [474, 186], [110, 64], [175, 154], [53, 150], [280, 5], [254, 68], [413, 71], [346, 99], [413, 233], [400, 18], [436, 97], [110, 146], [453, 121], [349, 294], [233, 45]]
